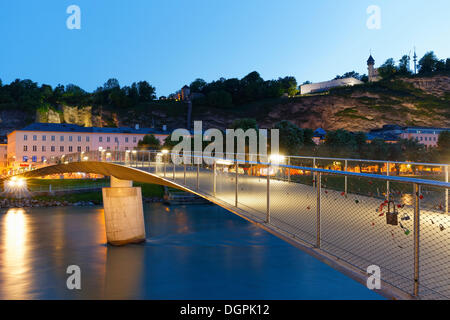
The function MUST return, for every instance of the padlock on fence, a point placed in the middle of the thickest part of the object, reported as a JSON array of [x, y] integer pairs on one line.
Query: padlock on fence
[[392, 216]]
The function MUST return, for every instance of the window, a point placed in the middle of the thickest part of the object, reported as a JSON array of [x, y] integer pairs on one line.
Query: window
[[43, 159], [108, 139], [100, 139], [25, 137], [134, 139], [116, 139], [87, 148], [53, 138], [79, 149], [126, 139], [34, 159], [61, 138], [70, 148], [52, 148], [34, 137], [61, 148], [87, 139], [126, 148], [70, 138], [43, 148], [79, 138], [108, 148], [25, 148], [44, 138], [116, 148], [34, 148], [25, 158]]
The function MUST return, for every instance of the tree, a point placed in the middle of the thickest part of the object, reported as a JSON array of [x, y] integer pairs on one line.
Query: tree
[[403, 65], [219, 99], [111, 84], [443, 146], [351, 74], [388, 69], [198, 85], [244, 124], [428, 63], [149, 142], [291, 137], [146, 91]]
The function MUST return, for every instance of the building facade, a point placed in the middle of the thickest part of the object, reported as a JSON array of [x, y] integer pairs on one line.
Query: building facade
[[426, 136], [326, 85], [373, 74], [42, 141]]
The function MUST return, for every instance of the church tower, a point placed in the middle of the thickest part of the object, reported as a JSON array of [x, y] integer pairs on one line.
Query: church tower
[[372, 71]]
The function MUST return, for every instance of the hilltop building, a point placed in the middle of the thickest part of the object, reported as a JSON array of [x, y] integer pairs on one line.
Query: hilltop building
[[327, 85], [372, 71]]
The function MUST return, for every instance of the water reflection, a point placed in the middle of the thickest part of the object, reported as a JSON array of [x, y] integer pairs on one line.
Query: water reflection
[[14, 261], [191, 252]]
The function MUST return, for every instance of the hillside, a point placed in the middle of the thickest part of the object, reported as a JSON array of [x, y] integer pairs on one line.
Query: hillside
[[412, 101]]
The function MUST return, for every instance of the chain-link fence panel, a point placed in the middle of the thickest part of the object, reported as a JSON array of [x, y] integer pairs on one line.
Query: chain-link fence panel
[[364, 229], [434, 244], [252, 190], [226, 183], [293, 208]]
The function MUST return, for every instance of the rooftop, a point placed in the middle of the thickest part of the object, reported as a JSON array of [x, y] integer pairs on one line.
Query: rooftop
[[65, 127]]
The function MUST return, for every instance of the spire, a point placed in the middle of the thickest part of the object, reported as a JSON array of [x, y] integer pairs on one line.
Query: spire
[[371, 61], [415, 61]]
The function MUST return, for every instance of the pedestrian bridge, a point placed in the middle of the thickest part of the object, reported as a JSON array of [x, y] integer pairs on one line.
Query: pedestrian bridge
[[339, 217]]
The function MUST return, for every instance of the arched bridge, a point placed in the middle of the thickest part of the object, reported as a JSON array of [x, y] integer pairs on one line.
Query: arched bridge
[[339, 217]]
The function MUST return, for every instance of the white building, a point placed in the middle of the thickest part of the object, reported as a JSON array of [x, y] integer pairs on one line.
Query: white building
[[326, 85]]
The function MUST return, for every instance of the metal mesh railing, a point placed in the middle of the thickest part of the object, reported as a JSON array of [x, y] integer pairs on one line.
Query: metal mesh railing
[[395, 221]]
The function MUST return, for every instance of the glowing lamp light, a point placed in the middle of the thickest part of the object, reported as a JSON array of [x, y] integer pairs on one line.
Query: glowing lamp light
[[134, 151], [159, 154], [225, 162], [277, 158], [85, 158], [165, 151]]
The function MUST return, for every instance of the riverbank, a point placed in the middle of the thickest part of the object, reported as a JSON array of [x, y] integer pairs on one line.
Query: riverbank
[[72, 195]]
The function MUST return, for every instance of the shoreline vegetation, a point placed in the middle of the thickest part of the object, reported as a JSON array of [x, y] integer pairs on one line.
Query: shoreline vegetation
[[69, 192]]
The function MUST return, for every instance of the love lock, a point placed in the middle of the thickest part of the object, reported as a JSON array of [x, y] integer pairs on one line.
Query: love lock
[[441, 227], [405, 217], [392, 216]]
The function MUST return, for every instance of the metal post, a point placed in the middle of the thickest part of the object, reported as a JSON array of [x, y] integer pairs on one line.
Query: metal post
[[388, 169], [214, 178], [416, 238], [184, 174], [314, 173], [446, 189], [164, 160], [346, 178], [174, 171], [319, 187], [289, 169], [268, 195], [236, 186], [198, 175]]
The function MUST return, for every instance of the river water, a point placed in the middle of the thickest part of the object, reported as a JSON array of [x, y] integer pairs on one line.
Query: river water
[[191, 252]]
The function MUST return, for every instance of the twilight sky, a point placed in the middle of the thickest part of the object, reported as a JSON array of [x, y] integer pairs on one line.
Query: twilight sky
[[169, 43]]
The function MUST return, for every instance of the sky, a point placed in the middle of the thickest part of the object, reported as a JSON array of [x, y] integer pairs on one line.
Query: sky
[[169, 43]]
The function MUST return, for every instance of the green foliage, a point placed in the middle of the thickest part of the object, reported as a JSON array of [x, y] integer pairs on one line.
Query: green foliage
[[444, 146], [234, 92], [291, 137], [388, 69], [149, 142], [244, 124]]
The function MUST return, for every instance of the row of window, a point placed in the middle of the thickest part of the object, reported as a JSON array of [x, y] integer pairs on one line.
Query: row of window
[[53, 148], [62, 149], [426, 139], [79, 138]]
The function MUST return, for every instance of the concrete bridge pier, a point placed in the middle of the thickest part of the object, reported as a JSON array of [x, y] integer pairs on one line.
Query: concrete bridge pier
[[124, 215]]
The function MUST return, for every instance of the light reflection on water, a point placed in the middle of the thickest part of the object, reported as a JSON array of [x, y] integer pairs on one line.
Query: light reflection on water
[[192, 252]]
